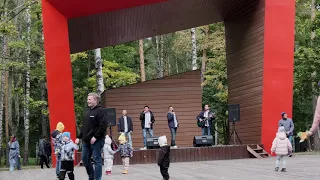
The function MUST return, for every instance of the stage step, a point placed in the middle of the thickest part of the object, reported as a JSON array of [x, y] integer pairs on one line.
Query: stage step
[[257, 151]]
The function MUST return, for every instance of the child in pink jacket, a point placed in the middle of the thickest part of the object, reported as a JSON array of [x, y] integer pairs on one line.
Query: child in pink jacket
[[282, 147]]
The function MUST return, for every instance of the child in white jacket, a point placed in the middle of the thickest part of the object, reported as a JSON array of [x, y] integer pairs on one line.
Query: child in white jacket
[[108, 155]]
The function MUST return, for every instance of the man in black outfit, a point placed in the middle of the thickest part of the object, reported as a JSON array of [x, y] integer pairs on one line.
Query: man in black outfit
[[93, 134], [42, 152], [125, 125]]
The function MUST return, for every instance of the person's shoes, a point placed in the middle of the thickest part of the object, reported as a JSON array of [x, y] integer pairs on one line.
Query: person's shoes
[[107, 172], [290, 155], [283, 170], [125, 172], [144, 148], [276, 169]]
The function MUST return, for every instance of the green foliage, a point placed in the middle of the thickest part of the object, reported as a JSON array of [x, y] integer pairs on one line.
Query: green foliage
[[115, 75]]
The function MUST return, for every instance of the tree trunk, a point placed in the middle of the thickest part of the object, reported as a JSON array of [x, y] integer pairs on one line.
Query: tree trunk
[[142, 70], [16, 111], [204, 54], [10, 79], [158, 64], [99, 74], [27, 95], [3, 72], [44, 123], [6, 105], [161, 56], [194, 49]]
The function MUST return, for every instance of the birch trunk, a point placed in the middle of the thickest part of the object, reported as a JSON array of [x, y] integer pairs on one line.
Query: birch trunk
[[194, 49], [158, 64], [3, 72], [161, 56], [10, 79], [142, 69], [17, 107], [99, 74], [204, 54], [27, 95], [6, 105]]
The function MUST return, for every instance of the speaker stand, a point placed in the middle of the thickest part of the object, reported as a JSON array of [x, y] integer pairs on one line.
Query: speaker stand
[[234, 134]]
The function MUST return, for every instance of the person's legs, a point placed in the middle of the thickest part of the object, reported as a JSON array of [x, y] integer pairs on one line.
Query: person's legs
[[70, 175], [62, 174], [128, 134], [209, 131], [203, 131], [151, 132], [283, 159], [58, 164], [164, 172], [86, 156], [144, 134], [41, 161], [277, 162], [97, 159]]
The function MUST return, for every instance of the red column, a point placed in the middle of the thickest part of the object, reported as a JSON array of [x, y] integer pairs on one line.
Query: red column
[[58, 67], [278, 66]]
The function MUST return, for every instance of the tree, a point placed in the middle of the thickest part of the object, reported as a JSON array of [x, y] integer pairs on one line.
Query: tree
[[142, 70]]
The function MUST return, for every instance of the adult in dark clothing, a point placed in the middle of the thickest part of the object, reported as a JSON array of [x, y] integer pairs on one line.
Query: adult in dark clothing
[[125, 126], [48, 151], [147, 120], [288, 125], [42, 152], [173, 125], [93, 133], [206, 116], [164, 157]]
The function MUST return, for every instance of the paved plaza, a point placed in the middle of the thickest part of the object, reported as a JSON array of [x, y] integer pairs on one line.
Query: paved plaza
[[298, 167]]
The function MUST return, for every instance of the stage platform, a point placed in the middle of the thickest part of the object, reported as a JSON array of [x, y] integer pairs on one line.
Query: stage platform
[[186, 154]]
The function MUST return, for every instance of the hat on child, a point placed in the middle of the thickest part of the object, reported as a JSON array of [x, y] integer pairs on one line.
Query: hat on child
[[281, 129], [162, 140], [66, 134], [107, 140], [283, 113], [60, 126]]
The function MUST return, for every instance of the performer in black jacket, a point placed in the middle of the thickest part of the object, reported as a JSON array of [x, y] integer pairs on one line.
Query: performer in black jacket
[[147, 120], [205, 119], [125, 125], [93, 133]]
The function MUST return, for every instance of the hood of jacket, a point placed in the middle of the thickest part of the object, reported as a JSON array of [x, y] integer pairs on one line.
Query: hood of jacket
[[107, 140], [281, 135]]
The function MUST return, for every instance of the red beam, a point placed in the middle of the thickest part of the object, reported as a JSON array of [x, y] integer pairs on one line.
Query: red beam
[[59, 72], [278, 66]]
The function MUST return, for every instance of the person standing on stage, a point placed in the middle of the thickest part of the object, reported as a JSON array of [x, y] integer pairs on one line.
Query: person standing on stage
[[147, 120], [206, 117], [93, 134], [125, 125], [173, 125]]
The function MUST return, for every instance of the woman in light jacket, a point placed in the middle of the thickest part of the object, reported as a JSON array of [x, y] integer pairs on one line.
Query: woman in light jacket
[[14, 152]]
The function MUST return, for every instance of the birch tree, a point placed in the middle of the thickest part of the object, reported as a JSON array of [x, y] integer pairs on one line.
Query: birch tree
[[27, 90], [99, 74], [142, 69], [194, 49]]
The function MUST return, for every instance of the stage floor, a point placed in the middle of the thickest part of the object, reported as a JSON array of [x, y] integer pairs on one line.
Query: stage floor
[[298, 167]]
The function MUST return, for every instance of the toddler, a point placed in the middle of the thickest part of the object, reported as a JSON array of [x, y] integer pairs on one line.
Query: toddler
[[57, 142], [108, 155], [164, 157], [282, 147], [67, 156], [125, 152]]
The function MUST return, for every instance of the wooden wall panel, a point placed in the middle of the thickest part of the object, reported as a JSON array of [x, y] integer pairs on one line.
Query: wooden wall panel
[[244, 53], [182, 91], [111, 28]]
